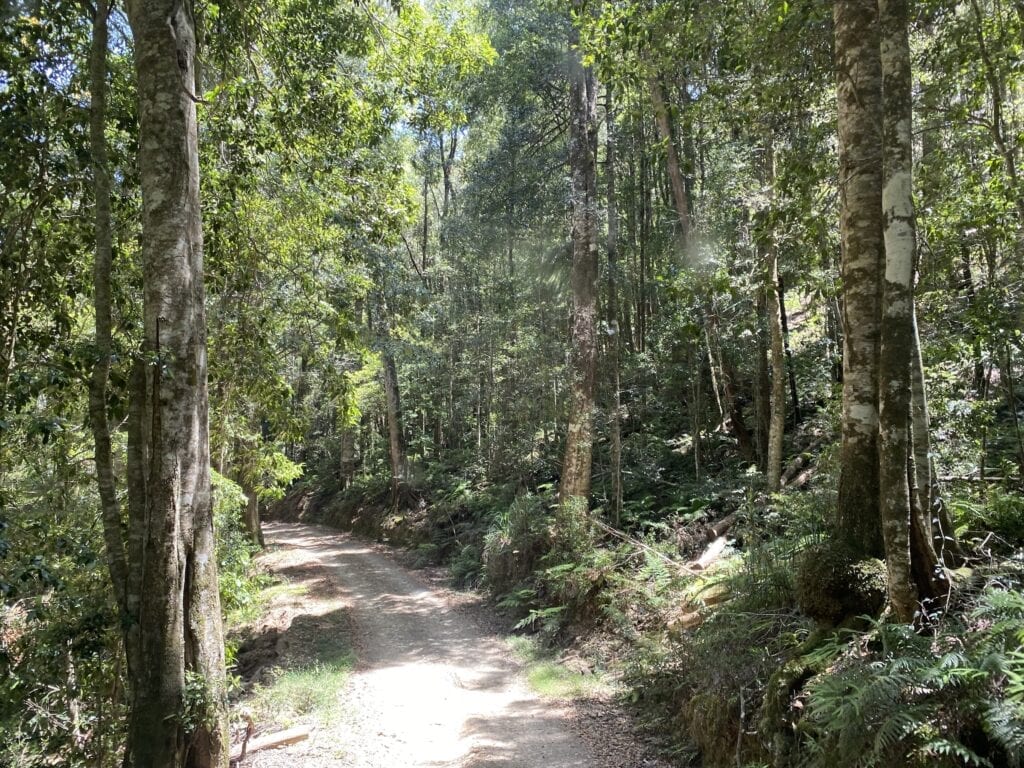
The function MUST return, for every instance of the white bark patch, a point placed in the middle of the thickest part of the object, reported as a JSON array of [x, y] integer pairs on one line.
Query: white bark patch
[[865, 413], [897, 196], [899, 253]]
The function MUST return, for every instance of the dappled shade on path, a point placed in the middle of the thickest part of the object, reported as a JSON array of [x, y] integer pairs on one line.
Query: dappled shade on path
[[431, 688]]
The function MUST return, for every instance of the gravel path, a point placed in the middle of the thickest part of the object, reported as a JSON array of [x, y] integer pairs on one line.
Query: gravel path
[[433, 687]]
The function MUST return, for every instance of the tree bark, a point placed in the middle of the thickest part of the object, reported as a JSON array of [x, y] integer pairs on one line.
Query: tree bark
[[614, 335], [777, 419], [859, 89], [347, 466], [178, 714], [762, 385], [790, 366], [576, 464], [251, 515], [909, 552], [675, 172], [396, 434], [113, 535], [773, 312]]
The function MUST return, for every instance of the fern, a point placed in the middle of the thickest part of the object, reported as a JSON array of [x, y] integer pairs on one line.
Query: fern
[[894, 697], [1004, 724], [940, 747]]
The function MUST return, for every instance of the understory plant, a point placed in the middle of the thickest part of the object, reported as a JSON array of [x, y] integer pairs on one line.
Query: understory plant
[[894, 696]]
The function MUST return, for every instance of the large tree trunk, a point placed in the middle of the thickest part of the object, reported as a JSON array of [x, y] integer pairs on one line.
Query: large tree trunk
[[178, 713], [576, 464], [910, 556], [859, 89]]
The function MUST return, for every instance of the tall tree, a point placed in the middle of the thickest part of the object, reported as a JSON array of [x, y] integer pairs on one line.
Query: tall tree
[[614, 335], [773, 313], [579, 441], [911, 560], [109, 507], [178, 715], [859, 95]]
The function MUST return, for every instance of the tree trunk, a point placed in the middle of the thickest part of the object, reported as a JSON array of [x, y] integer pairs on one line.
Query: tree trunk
[[614, 335], [347, 467], [178, 714], [858, 89], [447, 164], [110, 509], [784, 325], [774, 315], [396, 435], [777, 419], [251, 516], [576, 464], [909, 552], [675, 172], [762, 386]]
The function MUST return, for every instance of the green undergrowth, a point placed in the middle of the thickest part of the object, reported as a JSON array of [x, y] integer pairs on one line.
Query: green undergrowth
[[303, 687], [555, 680], [308, 691], [776, 654], [242, 582]]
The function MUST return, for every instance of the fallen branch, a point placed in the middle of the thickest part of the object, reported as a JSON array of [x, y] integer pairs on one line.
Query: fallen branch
[[974, 479], [801, 462], [640, 545], [279, 739]]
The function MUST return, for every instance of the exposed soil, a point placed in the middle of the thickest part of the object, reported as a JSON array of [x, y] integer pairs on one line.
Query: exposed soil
[[434, 684]]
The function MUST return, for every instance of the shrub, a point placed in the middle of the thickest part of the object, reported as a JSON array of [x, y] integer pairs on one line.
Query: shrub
[[831, 584], [240, 580], [515, 544]]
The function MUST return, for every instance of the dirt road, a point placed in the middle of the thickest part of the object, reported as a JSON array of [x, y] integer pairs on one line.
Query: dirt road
[[431, 686]]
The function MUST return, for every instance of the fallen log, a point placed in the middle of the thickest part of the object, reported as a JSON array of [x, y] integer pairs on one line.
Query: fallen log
[[711, 554], [270, 741]]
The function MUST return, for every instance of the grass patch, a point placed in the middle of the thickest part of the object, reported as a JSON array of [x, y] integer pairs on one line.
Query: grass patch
[[553, 680], [307, 692], [271, 587], [526, 649]]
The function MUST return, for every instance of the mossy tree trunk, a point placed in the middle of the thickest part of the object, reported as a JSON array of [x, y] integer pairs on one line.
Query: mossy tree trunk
[[178, 713], [859, 96]]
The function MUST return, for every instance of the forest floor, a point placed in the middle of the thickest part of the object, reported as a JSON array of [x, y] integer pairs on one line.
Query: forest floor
[[391, 669]]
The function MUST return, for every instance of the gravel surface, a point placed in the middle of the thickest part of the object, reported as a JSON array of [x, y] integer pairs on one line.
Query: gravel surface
[[434, 686]]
